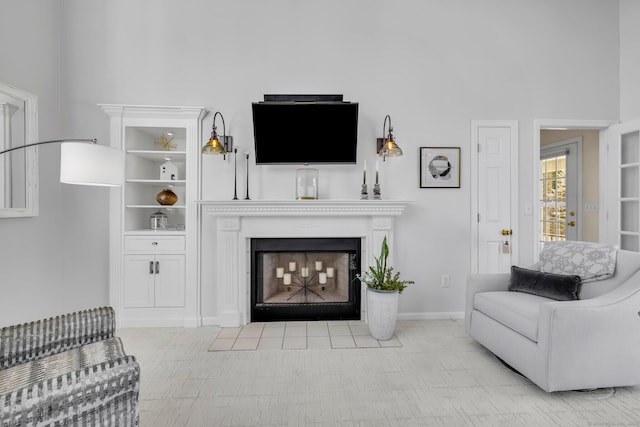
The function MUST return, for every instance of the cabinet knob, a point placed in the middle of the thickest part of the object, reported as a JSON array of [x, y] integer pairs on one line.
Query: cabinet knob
[[154, 243]]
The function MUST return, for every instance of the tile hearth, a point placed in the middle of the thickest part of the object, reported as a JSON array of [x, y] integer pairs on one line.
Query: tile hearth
[[314, 335]]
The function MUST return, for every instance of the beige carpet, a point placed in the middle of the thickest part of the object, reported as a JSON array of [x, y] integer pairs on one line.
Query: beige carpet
[[439, 377], [317, 335]]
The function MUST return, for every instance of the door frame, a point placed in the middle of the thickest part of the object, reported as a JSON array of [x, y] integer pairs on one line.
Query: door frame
[[567, 124], [475, 170]]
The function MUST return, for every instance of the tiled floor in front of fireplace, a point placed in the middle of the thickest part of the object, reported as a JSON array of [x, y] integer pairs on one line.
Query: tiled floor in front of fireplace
[[321, 335]]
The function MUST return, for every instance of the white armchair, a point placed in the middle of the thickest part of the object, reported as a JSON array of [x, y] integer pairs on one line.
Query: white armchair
[[592, 342]]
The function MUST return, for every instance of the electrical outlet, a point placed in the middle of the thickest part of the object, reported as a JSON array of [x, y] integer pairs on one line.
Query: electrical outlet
[[445, 280]]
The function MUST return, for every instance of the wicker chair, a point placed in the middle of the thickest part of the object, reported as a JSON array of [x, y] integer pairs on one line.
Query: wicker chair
[[67, 370]]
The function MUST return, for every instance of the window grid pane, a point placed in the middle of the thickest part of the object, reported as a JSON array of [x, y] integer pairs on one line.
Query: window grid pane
[[553, 190]]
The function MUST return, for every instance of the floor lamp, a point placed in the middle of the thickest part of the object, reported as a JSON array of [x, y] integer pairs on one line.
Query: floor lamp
[[84, 162]]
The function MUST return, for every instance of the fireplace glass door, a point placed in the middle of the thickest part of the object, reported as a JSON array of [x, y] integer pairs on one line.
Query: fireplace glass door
[[305, 279]]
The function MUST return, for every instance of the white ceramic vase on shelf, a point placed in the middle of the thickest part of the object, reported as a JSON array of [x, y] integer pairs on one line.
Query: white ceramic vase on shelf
[[382, 313]]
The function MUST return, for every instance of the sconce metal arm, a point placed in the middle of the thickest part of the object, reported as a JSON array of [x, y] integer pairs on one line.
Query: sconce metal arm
[[384, 127]]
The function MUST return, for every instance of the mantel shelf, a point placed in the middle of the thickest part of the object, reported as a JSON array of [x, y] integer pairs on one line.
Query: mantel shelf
[[304, 207]]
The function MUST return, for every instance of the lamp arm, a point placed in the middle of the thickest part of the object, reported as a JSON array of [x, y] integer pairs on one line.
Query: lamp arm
[[224, 130], [384, 126], [92, 141]]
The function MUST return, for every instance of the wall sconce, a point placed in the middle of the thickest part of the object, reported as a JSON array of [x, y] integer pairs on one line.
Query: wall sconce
[[217, 145], [386, 146]]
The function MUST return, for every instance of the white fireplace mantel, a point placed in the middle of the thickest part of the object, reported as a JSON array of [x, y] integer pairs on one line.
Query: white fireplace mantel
[[304, 207], [238, 221]]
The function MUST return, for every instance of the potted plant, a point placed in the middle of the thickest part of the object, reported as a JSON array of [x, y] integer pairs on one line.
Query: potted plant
[[383, 289]]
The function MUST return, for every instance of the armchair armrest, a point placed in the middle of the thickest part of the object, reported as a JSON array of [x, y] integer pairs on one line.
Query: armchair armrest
[[593, 340], [483, 282], [34, 340]]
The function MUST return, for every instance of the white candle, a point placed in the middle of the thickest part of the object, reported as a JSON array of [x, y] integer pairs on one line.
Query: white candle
[[292, 266], [287, 278], [329, 272], [304, 271], [279, 272], [364, 173], [322, 277], [318, 265]]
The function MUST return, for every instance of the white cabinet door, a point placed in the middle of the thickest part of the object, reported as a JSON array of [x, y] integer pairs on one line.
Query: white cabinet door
[[139, 280], [170, 281]]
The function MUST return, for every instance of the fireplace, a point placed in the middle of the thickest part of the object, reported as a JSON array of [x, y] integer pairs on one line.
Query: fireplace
[[228, 228], [305, 279]]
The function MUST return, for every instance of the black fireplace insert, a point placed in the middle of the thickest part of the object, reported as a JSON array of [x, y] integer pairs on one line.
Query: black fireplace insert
[[305, 279]]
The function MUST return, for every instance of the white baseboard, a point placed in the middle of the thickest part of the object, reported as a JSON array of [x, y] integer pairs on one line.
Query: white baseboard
[[151, 323], [191, 322], [215, 321], [442, 315], [210, 321]]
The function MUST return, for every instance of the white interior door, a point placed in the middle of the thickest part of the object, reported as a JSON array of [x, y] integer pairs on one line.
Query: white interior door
[[623, 185], [494, 195]]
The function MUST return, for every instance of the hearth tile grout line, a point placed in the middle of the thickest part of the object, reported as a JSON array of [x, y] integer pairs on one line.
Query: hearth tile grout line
[[339, 339]]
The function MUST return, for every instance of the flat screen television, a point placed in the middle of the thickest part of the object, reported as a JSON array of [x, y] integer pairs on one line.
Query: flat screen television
[[305, 132]]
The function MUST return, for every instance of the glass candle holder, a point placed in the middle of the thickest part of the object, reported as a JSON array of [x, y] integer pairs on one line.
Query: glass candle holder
[[306, 184]]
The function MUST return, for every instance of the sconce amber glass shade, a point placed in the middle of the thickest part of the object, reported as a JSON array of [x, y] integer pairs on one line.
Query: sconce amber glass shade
[[390, 149], [213, 146]]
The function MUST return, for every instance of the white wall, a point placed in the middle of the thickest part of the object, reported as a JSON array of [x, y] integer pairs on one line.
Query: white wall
[[56, 262], [629, 60], [433, 66]]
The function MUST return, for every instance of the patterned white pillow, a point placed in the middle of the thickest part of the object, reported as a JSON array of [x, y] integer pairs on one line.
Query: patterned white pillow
[[590, 261]]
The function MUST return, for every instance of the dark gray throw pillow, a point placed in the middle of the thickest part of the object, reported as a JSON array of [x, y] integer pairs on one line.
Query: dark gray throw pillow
[[560, 287]]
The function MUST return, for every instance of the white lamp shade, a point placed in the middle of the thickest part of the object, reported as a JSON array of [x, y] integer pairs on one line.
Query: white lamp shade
[[91, 164]]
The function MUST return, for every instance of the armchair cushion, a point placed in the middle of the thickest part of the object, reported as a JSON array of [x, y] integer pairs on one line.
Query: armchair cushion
[[518, 311], [560, 287]]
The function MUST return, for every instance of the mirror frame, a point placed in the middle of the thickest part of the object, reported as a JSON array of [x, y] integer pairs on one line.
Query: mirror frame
[[31, 153]]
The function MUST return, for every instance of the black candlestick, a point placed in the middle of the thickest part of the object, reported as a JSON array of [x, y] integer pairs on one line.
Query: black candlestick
[[235, 174], [247, 157]]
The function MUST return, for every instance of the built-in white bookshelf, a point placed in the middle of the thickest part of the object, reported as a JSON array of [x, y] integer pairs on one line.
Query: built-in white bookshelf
[[154, 271]]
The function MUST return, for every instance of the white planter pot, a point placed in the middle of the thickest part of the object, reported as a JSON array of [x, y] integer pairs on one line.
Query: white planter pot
[[382, 313]]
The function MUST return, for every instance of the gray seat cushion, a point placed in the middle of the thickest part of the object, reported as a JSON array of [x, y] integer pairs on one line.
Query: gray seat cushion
[[515, 310]]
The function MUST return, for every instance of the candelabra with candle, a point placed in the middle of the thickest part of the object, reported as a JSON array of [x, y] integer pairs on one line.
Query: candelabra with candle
[[246, 155], [305, 279], [364, 194], [377, 193]]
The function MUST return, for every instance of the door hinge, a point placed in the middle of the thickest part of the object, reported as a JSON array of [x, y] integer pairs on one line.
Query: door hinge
[[478, 217], [478, 147]]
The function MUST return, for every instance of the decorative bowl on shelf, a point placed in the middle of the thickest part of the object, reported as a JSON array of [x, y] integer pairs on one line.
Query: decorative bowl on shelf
[[167, 197]]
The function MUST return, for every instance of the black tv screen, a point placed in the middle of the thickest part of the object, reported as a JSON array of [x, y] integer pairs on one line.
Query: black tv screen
[[305, 132]]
